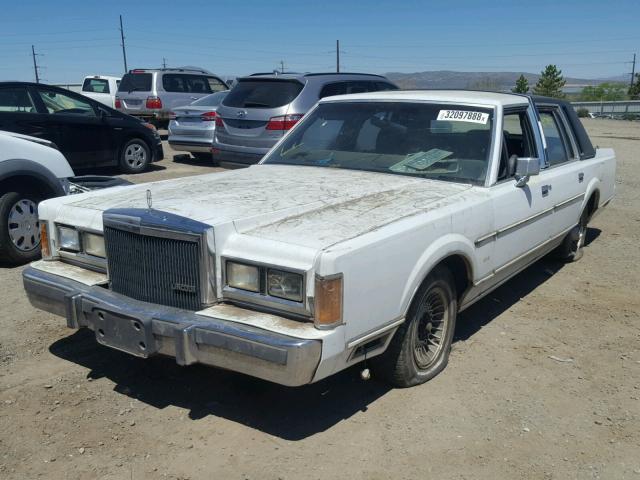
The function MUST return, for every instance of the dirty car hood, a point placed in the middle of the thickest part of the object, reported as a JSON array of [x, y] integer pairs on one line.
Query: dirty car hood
[[309, 206]]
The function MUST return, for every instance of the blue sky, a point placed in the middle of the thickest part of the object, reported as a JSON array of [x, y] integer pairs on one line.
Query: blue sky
[[591, 39]]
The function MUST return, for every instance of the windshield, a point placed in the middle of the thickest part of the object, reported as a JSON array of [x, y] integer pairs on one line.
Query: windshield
[[444, 142], [212, 100]]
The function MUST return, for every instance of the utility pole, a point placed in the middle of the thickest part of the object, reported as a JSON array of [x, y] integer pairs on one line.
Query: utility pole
[[124, 52], [633, 70], [35, 64], [164, 62], [337, 56], [281, 66]]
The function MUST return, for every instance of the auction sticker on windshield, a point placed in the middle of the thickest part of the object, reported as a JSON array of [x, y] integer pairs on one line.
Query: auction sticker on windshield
[[463, 116]]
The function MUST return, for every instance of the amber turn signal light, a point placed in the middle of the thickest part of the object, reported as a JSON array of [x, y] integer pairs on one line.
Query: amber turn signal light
[[45, 248], [328, 301]]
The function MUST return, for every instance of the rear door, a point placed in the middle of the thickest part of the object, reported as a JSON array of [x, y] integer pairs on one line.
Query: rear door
[[19, 113], [82, 135], [181, 89], [567, 176], [247, 109]]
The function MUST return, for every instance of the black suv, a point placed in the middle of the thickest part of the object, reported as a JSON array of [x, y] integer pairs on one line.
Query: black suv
[[88, 133]]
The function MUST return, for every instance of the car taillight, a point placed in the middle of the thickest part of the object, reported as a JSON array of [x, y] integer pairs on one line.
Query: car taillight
[[283, 122], [172, 115], [154, 102], [118, 103], [209, 117], [219, 122]]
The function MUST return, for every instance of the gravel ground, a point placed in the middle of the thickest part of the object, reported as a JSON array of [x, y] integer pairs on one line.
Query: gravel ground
[[543, 382]]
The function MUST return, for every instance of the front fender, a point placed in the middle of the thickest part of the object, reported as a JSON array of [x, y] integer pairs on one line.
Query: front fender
[[445, 246]]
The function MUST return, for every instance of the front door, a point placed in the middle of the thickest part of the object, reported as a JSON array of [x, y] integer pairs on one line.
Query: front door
[[523, 215], [82, 135]]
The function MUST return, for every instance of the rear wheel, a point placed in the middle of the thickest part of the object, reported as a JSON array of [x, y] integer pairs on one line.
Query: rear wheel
[[135, 156], [420, 347], [572, 248], [19, 228]]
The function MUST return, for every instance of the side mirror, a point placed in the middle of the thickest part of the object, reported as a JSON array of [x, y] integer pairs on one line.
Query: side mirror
[[103, 114], [525, 168]]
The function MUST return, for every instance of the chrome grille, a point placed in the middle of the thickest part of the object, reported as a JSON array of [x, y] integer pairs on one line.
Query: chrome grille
[[154, 269]]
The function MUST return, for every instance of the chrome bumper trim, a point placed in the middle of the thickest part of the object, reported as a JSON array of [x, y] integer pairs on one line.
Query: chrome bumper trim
[[144, 329]]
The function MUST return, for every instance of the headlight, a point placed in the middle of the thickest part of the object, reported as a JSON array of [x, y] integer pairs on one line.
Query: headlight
[[244, 277], [93, 244], [285, 285], [68, 239]]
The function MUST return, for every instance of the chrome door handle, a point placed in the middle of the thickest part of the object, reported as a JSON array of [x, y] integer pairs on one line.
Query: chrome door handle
[[545, 190]]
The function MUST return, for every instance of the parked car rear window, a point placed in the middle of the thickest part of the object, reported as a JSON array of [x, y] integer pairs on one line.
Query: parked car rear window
[[95, 85], [135, 82], [16, 100], [212, 100], [188, 83], [262, 93], [444, 142]]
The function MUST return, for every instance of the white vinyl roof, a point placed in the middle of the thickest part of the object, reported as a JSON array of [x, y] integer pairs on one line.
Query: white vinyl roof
[[446, 96]]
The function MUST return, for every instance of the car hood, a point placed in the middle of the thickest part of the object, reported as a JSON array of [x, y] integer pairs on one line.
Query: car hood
[[308, 206]]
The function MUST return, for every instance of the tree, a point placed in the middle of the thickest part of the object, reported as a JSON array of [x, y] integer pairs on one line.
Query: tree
[[605, 91], [550, 83], [522, 85], [634, 90]]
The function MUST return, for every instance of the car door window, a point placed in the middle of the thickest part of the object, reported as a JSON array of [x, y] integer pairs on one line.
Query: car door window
[[61, 104], [553, 134], [197, 84], [517, 140], [331, 89], [16, 100], [174, 83]]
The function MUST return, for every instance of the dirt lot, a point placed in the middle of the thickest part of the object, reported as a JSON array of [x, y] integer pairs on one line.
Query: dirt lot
[[543, 382]]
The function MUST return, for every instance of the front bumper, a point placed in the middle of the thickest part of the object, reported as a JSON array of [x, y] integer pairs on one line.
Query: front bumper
[[145, 329]]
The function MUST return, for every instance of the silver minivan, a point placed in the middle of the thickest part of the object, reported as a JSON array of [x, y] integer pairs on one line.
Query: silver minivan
[[260, 108], [153, 93]]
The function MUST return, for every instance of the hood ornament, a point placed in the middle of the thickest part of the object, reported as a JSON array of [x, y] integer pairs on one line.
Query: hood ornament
[[149, 199]]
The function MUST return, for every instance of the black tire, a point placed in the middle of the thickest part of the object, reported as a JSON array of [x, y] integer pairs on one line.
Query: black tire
[[15, 247], [572, 247], [407, 361], [202, 156], [135, 156]]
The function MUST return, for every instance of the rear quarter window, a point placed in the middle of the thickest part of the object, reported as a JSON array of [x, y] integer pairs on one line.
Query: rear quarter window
[[256, 93], [139, 82]]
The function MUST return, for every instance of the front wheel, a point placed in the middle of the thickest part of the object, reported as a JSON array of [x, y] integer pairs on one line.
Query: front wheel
[[19, 228], [420, 347], [135, 156]]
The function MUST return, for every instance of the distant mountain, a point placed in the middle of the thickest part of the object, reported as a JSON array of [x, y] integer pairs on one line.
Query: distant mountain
[[477, 80]]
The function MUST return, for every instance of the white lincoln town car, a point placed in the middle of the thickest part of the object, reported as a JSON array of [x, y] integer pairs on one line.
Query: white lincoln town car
[[359, 236]]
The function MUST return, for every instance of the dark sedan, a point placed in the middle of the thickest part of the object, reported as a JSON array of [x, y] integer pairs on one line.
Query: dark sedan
[[87, 132]]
